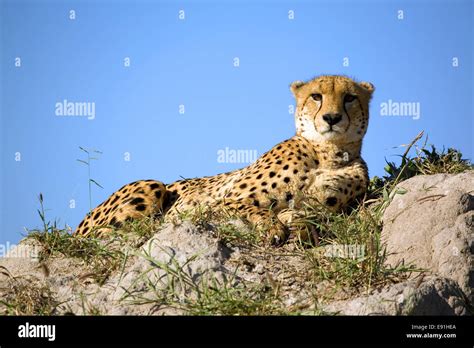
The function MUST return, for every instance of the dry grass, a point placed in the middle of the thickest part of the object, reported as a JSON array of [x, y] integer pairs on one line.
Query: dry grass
[[25, 296]]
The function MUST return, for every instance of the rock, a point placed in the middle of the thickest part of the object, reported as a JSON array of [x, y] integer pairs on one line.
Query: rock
[[182, 249], [431, 226], [431, 296]]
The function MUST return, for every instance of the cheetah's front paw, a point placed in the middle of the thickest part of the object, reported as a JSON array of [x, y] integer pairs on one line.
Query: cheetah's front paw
[[278, 234]]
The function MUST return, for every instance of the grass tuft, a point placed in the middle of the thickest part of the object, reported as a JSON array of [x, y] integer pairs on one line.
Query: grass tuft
[[25, 296], [426, 161], [102, 256]]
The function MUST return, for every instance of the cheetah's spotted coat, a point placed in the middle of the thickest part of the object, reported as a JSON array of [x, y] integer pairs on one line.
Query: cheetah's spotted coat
[[321, 161]]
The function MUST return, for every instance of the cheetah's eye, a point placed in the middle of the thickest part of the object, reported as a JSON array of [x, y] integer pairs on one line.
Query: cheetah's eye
[[349, 98], [316, 96]]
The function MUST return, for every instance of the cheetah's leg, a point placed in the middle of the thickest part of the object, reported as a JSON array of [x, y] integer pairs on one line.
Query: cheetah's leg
[[336, 188], [333, 189], [263, 219], [294, 220], [132, 201]]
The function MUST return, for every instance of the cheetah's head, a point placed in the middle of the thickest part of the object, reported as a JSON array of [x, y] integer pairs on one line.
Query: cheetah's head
[[332, 109]]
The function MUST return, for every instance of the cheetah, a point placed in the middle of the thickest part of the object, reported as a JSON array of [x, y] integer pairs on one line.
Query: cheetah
[[322, 161]]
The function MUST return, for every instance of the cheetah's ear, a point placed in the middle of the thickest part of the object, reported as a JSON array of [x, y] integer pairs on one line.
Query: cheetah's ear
[[296, 85], [368, 86]]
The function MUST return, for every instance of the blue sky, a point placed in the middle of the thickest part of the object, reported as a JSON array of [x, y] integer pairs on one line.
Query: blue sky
[[190, 62]]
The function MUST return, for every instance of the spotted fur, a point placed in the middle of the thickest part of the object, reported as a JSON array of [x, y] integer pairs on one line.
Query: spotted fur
[[321, 161]]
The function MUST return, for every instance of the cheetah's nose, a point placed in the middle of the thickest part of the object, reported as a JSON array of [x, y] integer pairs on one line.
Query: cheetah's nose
[[332, 119]]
